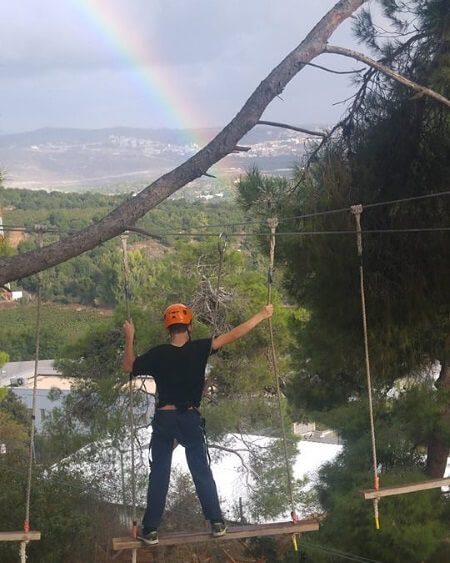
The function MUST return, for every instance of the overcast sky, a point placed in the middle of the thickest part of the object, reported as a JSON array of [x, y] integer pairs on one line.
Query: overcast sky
[[159, 63]]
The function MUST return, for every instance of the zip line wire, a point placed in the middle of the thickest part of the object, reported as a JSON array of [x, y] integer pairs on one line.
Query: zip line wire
[[328, 212], [278, 234], [262, 222], [292, 233]]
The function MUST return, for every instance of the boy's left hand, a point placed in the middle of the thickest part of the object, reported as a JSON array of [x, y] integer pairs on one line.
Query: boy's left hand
[[267, 311], [129, 330]]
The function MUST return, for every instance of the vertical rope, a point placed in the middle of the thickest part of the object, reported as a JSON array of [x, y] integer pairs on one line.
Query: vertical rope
[[356, 211], [23, 552], [26, 525], [124, 239], [273, 223], [221, 246]]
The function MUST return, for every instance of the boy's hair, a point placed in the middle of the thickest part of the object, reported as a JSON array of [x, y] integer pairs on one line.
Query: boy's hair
[[177, 328]]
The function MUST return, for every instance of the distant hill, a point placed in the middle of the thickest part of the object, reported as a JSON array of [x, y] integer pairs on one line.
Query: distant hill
[[121, 158], [81, 136]]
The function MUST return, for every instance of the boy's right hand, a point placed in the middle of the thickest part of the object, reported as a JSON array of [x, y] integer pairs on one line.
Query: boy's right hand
[[129, 330], [267, 312]]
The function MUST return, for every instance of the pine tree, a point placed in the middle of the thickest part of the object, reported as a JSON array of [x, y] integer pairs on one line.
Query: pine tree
[[392, 145]]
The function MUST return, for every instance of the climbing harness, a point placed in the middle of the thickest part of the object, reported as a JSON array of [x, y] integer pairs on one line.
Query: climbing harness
[[356, 211], [273, 223], [124, 239]]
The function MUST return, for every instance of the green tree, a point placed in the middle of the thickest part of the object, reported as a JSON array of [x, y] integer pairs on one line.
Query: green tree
[[391, 147]]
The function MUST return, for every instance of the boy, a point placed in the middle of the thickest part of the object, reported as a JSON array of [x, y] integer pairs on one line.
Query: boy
[[179, 372]]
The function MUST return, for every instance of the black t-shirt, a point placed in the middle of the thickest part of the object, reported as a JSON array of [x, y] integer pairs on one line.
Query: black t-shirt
[[179, 371]]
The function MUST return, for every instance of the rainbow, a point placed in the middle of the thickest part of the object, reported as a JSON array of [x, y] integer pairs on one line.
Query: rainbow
[[106, 22]]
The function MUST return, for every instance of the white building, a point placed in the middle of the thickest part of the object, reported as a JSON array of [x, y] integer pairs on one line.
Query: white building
[[19, 377]]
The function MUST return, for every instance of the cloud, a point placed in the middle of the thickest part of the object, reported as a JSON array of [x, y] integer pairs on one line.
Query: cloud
[[63, 65], [87, 34]]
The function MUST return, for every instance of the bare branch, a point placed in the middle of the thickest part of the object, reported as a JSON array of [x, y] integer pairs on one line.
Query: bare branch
[[293, 127], [422, 90], [358, 100], [357, 71], [134, 208], [142, 232], [235, 452]]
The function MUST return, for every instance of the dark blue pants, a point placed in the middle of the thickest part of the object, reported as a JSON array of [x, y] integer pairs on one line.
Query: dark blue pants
[[188, 429]]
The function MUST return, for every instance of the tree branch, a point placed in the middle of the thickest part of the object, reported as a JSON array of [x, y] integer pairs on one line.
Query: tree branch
[[235, 452], [134, 208], [358, 100], [423, 90], [314, 65], [293, 127]]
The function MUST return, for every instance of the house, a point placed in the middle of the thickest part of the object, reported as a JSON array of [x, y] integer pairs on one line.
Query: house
[[19, 376], [308, 431]]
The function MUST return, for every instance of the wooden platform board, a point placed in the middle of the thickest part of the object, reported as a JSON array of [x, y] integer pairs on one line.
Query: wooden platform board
[[408, 488], [233, 533], [20, 536]]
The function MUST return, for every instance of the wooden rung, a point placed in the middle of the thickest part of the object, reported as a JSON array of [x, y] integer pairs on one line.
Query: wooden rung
[[20, 536], [233, 533], [403, 489]]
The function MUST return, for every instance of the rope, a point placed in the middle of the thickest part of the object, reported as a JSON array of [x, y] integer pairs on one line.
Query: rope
[[273, 223], [356, 211], [26, 525], [221, 247], [124, 239], [23, 552]]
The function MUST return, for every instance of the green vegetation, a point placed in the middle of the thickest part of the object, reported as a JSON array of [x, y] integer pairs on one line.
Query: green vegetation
[[70, 514], [391, 147], [75, 211], [93, 278], [61, 326]]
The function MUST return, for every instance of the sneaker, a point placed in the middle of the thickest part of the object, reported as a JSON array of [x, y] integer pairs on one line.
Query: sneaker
[[151, 538], [218, 529]]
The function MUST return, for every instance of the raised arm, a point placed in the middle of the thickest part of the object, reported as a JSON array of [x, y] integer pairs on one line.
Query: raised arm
[[243, 329], [128, 355]]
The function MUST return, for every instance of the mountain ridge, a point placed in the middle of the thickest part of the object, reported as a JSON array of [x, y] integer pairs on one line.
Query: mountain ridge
[[70, 158]]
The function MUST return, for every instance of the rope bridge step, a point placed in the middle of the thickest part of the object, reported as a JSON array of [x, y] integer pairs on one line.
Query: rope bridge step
[[407, 488], [20, 536], [233, 533]]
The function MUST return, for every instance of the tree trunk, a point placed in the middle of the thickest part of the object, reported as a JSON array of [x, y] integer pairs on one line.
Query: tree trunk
[[223, 144], [439, 444]]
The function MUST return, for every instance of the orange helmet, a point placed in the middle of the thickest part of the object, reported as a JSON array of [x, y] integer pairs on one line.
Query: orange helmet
[[177, 314]]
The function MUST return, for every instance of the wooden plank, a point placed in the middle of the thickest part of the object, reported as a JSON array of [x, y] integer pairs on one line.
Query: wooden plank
[[233, 533], [403, 489], [20, 536]]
